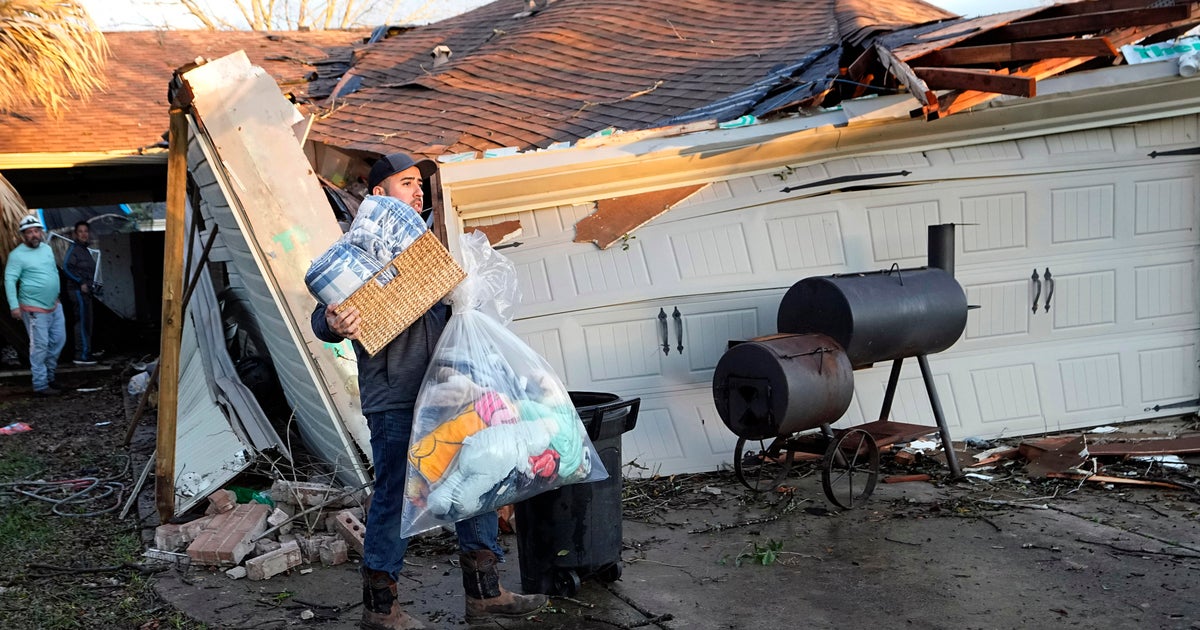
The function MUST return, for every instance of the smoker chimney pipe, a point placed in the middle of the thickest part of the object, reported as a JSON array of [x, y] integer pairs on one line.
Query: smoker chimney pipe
[[941, 247]]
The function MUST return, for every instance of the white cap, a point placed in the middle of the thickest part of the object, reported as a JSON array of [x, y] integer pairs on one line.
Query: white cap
[[31, 221]]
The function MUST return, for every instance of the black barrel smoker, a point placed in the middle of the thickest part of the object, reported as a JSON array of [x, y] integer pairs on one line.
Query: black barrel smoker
[[773, 391]]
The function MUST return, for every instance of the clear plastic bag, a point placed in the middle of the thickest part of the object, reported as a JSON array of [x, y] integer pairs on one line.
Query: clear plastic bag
[[493, 424]]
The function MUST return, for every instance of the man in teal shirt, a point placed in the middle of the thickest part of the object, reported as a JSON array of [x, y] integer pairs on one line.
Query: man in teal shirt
[[31, 284]]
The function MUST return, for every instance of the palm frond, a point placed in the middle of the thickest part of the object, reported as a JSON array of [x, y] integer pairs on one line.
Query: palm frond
[[12, 210], [50, 52]]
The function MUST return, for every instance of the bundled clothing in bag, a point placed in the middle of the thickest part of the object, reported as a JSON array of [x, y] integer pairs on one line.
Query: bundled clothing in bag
[[493, 424]]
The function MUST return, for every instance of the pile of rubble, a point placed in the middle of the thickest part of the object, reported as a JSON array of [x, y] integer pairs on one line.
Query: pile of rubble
[[1152, 454], [300, 523]]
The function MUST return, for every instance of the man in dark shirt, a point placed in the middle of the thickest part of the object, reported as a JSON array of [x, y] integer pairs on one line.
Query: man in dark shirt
[[80, 269], [388, 384]]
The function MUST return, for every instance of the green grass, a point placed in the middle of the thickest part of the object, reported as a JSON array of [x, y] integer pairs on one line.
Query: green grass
[[24, 528], [18, 466], [30, 534]]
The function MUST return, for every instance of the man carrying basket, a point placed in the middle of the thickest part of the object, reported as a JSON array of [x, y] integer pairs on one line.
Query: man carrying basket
[[388, 385]]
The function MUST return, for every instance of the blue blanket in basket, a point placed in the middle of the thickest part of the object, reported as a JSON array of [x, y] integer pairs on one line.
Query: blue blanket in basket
[[382, 228]]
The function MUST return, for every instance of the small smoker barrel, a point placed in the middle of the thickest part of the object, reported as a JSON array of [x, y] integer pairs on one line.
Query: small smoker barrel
[[879, 316], [782, 384]]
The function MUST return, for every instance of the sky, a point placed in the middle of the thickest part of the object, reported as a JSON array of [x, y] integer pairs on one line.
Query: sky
[[150, 14]]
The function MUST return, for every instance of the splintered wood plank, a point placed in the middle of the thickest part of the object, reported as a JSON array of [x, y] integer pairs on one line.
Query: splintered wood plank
[[981, 80], [1020, 51], [1128, 481], [1061, 459], [1170, 446], [619, 216], [956, 32], [1099, 6], [858, 70], [905, 74], [959, 101], [172, 316], [497, 233], [1090, 22]]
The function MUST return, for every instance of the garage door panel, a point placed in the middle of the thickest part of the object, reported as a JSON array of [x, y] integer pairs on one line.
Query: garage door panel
[[1165, 290], [1165, 206], [1082, 213], [1003, 311], [1091, 383], [1168, 374], [1081, 299]]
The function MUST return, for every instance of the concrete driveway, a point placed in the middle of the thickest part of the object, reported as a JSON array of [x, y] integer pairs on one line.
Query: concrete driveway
[[917, 555]]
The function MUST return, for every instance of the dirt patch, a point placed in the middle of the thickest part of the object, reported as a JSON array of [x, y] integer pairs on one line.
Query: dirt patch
[[69, 560]]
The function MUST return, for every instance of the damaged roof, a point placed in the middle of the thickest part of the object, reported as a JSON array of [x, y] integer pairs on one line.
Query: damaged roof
[[130, 114], [568, 69]]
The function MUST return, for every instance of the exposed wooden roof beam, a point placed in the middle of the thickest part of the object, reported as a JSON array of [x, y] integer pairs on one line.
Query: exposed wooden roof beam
[[860, 72], [1089, 23], [917, 87], [958, 101], [1020, 51], [1099, 6], [980, 80]]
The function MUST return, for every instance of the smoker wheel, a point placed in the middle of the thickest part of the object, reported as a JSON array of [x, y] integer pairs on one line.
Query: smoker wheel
[[764, 468], [851, 468]]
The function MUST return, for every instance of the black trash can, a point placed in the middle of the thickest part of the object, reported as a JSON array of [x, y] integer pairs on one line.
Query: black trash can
[[574, 532]]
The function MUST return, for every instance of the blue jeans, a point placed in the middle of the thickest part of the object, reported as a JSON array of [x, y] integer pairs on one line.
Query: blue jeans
[[82, 304], [47, 336], [383, 546]]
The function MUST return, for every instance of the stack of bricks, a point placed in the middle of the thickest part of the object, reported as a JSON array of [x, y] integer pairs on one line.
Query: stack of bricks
[[226, 538], [258, 541]]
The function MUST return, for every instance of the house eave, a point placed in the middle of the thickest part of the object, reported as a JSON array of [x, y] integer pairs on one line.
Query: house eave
[[529, 181], [74, 159]]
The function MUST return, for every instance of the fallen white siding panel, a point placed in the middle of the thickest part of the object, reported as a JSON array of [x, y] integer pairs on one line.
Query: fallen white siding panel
[[208, 451], [274, 220], [238, 402]]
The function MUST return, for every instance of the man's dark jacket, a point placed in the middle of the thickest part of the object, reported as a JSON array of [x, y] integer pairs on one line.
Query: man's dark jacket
[[79, 266], [391, 379]]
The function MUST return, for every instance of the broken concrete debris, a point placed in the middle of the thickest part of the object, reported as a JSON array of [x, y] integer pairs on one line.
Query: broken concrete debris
[[258, 541]]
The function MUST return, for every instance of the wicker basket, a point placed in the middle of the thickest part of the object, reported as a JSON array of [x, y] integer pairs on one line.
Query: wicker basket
[[425, 273]]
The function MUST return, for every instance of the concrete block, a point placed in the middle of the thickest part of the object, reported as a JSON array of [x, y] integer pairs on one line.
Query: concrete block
[[312, 546], [226, 539], [265, 545], [236, 573], [307, 494], [274, 563], [277, 517], [334, 552], [169, 537], [351, 529], [308, 551]]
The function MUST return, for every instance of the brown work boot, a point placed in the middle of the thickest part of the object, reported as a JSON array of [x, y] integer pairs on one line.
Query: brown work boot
[[486, 599], [381, 610]]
